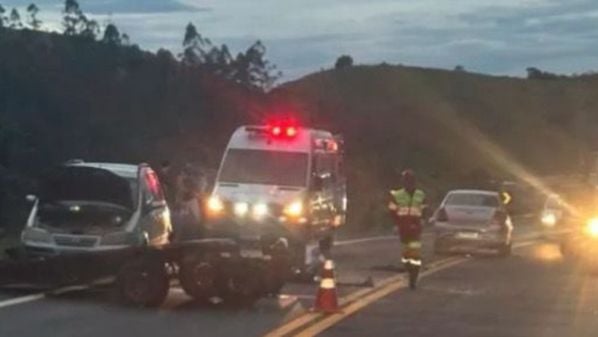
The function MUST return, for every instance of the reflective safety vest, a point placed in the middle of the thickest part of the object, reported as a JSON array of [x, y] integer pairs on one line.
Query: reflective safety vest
[[406, 204]]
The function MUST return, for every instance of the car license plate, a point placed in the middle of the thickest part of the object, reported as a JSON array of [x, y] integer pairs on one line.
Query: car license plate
[[251, 253], [467, 235]]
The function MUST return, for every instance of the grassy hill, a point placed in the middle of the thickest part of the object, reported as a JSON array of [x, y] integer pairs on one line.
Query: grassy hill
[[65, 97], [453, 128]]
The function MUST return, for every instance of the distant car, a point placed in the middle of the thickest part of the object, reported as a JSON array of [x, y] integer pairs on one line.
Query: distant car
[[89, 207], [470, 220]]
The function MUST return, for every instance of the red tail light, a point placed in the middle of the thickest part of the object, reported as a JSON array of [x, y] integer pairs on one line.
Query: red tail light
[[291, 131], [441, 215], [276, 131]]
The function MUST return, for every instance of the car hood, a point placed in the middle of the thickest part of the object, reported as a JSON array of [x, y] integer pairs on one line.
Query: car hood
[[90, 218], [86, 185]]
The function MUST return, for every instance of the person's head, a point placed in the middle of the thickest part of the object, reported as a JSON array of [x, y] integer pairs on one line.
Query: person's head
[[408, 180]]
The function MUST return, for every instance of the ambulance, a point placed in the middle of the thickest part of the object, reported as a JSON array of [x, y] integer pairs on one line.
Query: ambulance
[[280, 184]]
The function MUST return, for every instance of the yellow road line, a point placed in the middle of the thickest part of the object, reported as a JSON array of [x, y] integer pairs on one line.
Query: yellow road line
[[367, 300], [310, 317], [362, 298]]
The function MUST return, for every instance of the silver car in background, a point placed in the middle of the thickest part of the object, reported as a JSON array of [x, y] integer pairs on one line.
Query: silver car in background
[[470, 220]]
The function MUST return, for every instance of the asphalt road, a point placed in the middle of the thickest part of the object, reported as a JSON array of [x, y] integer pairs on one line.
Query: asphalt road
[[481, 296], [533, 293]]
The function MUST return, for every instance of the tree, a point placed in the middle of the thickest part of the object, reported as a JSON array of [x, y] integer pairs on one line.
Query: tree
[[2, 18], [112, 35], [195, 46], [90, 28], [459, 68], [126, 40], [14, 20], [252, 69], [71, 17], [75, 22], [343, 62], [34, 22], [537, 74]]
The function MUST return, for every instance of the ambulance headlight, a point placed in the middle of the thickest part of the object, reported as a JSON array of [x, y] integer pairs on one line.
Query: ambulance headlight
[[294, 209], [260, 210], [241, 209], [215, 205]]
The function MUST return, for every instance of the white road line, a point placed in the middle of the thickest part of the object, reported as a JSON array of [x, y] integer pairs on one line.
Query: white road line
[[21, 300]]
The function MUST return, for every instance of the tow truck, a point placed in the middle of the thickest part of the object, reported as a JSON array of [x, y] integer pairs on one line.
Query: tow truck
[[280, 185]]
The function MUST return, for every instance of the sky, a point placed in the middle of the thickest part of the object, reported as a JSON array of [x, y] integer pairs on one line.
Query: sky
[[488, 36]]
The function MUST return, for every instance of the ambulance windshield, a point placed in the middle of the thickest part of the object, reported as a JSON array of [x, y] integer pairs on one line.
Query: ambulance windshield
[[265, 167]]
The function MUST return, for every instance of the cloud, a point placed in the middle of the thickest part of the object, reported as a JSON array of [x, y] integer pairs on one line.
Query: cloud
[[483, 35]]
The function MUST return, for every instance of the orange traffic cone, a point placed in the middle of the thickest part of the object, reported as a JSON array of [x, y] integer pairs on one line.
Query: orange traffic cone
[[326, 299]]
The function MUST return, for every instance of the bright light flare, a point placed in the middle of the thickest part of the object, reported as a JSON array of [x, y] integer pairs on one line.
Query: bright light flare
[[592, 227], [549, 219], [294, 209], [215, 205], [260, 210], [241, 208]]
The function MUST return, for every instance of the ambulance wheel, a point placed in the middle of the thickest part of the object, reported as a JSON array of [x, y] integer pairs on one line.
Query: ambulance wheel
[[143, 282], [198, 277]]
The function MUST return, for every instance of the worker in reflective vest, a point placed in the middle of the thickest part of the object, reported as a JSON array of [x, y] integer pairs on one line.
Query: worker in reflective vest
[[408, 205]]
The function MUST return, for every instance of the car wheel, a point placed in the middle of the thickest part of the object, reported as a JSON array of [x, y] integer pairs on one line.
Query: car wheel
[[143, 282]]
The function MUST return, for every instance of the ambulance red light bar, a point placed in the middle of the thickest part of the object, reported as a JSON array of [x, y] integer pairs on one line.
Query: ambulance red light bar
[[275, 130]]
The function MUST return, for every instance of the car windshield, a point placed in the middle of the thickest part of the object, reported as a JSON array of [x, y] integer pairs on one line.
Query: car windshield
[[87, 184], [472, 199], [264, 167]]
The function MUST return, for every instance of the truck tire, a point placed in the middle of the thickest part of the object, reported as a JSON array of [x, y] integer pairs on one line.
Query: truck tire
[[143, 282], [242, 288], [198, 276]]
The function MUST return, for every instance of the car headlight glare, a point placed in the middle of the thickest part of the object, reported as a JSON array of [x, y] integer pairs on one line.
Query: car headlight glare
[[215, 205], [241, 208], [592, 227], [549, 219], [260, 210], [294, 209]]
